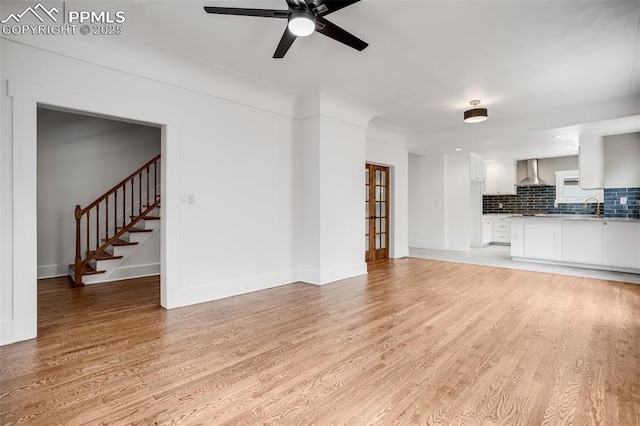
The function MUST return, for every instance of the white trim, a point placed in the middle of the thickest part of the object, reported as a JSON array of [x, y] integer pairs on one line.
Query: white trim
[[222, 289], [330, 276], [26, 97], [592, 193], [577, 265], [53, 271], [427, 244], [129, 272]]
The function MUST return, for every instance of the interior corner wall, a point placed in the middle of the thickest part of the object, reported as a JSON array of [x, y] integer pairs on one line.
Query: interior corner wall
[[333, 192], [79, 158], [397, 159], [622, 161], [426, 223], [342, 194], [309, 265]]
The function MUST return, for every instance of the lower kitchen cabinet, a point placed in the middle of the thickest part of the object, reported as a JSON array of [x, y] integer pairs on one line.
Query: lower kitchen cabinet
[[621, 244], [593, 243], [539, 239], [502, 230], [487, 230], [582, 241]]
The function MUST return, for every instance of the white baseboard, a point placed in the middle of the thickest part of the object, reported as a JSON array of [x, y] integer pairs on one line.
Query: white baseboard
[[427, 244], [12, 331], [343, 273], [308, 276], [400, 253], [53, 271], [220, 290], [577, 265], [129, 272], [329, 276], [6, 332]]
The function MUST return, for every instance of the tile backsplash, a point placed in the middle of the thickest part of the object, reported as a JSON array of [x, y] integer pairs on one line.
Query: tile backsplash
[[612, 206], [541, 199]]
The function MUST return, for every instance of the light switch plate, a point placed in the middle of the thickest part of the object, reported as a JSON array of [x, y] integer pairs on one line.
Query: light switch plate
[[623, 200]]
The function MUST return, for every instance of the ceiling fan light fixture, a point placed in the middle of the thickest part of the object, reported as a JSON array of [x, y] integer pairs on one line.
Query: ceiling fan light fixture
[[475, 115], [302, 23]]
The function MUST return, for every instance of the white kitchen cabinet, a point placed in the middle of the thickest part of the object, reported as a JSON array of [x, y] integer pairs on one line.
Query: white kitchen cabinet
[[501, 230], [487, 230], [621, 244], [539, 239], [582, 241], [591, 243], [591, 162], [500, 178], [517, 237], [477, 170]]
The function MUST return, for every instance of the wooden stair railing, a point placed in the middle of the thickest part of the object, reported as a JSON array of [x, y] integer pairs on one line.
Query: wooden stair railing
[[133, 198]]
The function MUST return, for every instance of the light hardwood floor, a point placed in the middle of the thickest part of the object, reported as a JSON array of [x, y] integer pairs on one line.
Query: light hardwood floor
[[414, 342]]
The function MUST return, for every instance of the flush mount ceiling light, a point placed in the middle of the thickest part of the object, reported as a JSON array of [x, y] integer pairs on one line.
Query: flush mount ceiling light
[[302, 22], [475, 115]]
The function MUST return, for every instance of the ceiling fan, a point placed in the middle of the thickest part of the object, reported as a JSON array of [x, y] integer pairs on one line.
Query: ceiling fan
[[303, 18]]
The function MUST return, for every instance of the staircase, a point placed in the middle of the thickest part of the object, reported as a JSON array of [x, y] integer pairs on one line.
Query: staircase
[[111, 228]]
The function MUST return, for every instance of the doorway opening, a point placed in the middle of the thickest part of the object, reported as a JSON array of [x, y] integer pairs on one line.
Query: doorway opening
[[80, 157], [26, 98], [376, 212]]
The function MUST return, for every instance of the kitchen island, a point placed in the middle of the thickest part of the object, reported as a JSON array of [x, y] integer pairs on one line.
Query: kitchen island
[[585, 241]]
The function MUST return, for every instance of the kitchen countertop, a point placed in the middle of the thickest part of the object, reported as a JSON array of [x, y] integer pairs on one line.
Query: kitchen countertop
[[577, 217]]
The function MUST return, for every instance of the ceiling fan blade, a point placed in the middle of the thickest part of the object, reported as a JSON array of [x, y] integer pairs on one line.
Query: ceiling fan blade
[[335, 32], [264, 13], [297, 4], [325, 7], [285, 43]]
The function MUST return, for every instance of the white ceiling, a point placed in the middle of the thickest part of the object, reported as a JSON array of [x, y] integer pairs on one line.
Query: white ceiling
[[541, 67]]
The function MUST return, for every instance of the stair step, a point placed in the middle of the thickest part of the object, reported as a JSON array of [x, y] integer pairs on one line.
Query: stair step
[[134, 229], [117, 243], [104, 256], [147, 217], [87, 270]]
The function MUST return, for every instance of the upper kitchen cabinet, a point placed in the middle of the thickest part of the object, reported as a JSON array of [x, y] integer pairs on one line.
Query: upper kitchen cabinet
[[591, 162], [477, 167], [500, 178]]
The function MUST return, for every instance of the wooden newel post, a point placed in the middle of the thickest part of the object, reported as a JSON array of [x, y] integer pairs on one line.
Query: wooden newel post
[[78, 262]]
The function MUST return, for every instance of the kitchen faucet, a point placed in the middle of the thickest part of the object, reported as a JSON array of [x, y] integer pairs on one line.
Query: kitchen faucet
[[597, 205]]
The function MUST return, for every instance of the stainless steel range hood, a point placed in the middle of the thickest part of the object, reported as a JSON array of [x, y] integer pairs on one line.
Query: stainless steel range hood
[[532, 178]]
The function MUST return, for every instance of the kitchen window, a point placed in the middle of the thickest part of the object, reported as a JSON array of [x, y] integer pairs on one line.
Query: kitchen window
[[568, 188]]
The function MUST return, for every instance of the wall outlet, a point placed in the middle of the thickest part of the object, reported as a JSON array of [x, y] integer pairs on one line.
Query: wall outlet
[[500, 205], [623, 200]]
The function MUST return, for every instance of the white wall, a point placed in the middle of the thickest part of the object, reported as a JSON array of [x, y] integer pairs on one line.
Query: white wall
[[232, 142], [385, 146], [622, 161], [332, 189], [426, 201], [457, 202], [79, 158], [342, 193], [239, 234]]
